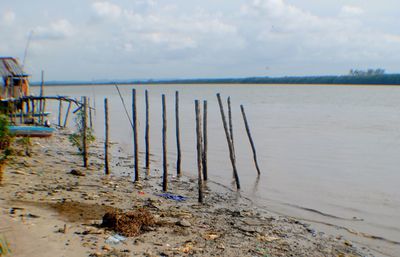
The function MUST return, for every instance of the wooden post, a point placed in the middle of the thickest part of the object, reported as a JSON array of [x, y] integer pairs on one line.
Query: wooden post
[[199, 150], [59, 112], [84, 123], [90, 115], [67, 114], [250, 139], [230, 121], [11, 113], [41, 117], [205, 141], [106, 141], [135, 135], [21, 119], [28, 109], [43, 109], [164, 142], [147, 134], [178, 136], [42, 85], [228, 139], [33, 111]]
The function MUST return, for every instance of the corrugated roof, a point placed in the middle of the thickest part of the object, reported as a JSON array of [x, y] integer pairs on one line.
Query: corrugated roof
[[9, 67]]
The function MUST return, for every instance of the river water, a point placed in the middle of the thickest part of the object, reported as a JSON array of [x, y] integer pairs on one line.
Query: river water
[[328, 154]]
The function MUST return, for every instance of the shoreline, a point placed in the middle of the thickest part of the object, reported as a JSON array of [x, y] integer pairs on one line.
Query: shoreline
[[45, 208]]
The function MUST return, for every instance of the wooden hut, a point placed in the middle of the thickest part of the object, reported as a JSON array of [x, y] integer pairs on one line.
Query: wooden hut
[[14, 81]]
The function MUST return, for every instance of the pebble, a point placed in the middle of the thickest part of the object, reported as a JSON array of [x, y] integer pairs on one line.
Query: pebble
[[184, 223]]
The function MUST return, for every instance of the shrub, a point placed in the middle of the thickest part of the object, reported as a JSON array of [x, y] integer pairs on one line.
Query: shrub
[[77, 138]]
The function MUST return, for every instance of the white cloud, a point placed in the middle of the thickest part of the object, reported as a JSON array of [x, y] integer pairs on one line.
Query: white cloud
[[107, 10], [349, 10], [8, 17], [59, 29]]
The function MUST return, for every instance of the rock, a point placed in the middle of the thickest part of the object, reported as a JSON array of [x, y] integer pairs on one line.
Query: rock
[[184, 223], [77, 173], [106, 248]]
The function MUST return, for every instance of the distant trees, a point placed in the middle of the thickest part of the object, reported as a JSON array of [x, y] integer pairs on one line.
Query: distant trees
[[369, 72]]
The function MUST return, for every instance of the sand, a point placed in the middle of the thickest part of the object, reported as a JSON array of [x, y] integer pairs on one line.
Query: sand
[[47, 211]]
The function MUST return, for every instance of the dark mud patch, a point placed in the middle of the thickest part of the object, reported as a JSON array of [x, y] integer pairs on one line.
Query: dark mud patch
[[73, 211]]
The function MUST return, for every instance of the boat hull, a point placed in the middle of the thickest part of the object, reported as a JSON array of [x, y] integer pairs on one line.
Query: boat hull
[[31, 131]]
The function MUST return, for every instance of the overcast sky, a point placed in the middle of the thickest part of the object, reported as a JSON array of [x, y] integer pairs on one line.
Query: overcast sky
[[120, 39]]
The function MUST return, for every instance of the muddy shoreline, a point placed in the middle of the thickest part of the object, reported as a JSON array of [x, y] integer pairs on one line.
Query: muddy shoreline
[[47, 211]]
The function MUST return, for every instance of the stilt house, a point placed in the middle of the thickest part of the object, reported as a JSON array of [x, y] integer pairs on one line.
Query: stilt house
[[14, 81]]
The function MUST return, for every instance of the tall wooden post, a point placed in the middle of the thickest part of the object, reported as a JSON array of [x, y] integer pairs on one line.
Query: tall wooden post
[[106, 141], [147, 134], [253, 148], [84, 125], [178, 136], [90, 115], [164, 143], [59, 112], [230, 121], [41, 115], [67, 114], [21, 118], [135, 135], [33, 111], [205, 141], [228, 139], [199, 151]]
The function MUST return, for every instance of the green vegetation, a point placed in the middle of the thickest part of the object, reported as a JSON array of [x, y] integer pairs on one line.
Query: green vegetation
[[355, 77], [5, 136], [5, 141], [77, 138]]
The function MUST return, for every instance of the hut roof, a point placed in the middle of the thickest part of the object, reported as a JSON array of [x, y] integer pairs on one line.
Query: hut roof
[[9, 67]]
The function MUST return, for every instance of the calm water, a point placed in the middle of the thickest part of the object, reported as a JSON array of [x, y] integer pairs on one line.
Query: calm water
[[328, 154]]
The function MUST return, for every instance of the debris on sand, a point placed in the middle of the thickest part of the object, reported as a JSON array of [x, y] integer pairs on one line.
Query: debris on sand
[[129, 223]]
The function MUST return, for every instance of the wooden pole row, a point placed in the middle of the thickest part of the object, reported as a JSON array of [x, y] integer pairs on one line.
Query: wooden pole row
[[201, 135]]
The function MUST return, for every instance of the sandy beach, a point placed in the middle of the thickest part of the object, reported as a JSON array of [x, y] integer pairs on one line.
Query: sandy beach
[[47, 211]]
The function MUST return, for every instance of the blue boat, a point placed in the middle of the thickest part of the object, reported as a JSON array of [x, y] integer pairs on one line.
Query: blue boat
[[31, 131]]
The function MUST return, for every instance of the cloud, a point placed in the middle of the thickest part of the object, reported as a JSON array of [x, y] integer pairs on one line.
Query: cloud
[[59, 29], [349, 10], [107, 10], [8, 17]]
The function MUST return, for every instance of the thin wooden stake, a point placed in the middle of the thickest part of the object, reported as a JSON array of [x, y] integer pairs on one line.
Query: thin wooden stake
[[90, 116], [228, 139], [147, 134], [67, 114], [21, 119], [106, 141], [43, 110], [230, 121], [33, 111], [199, 151], [84, 123], [59, 112], [135, 135], [205, 141], [41, 116], [164, 142], [178, 136], [250, 139]]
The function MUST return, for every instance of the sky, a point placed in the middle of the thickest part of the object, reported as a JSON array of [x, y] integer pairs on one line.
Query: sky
[[161, 39]]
